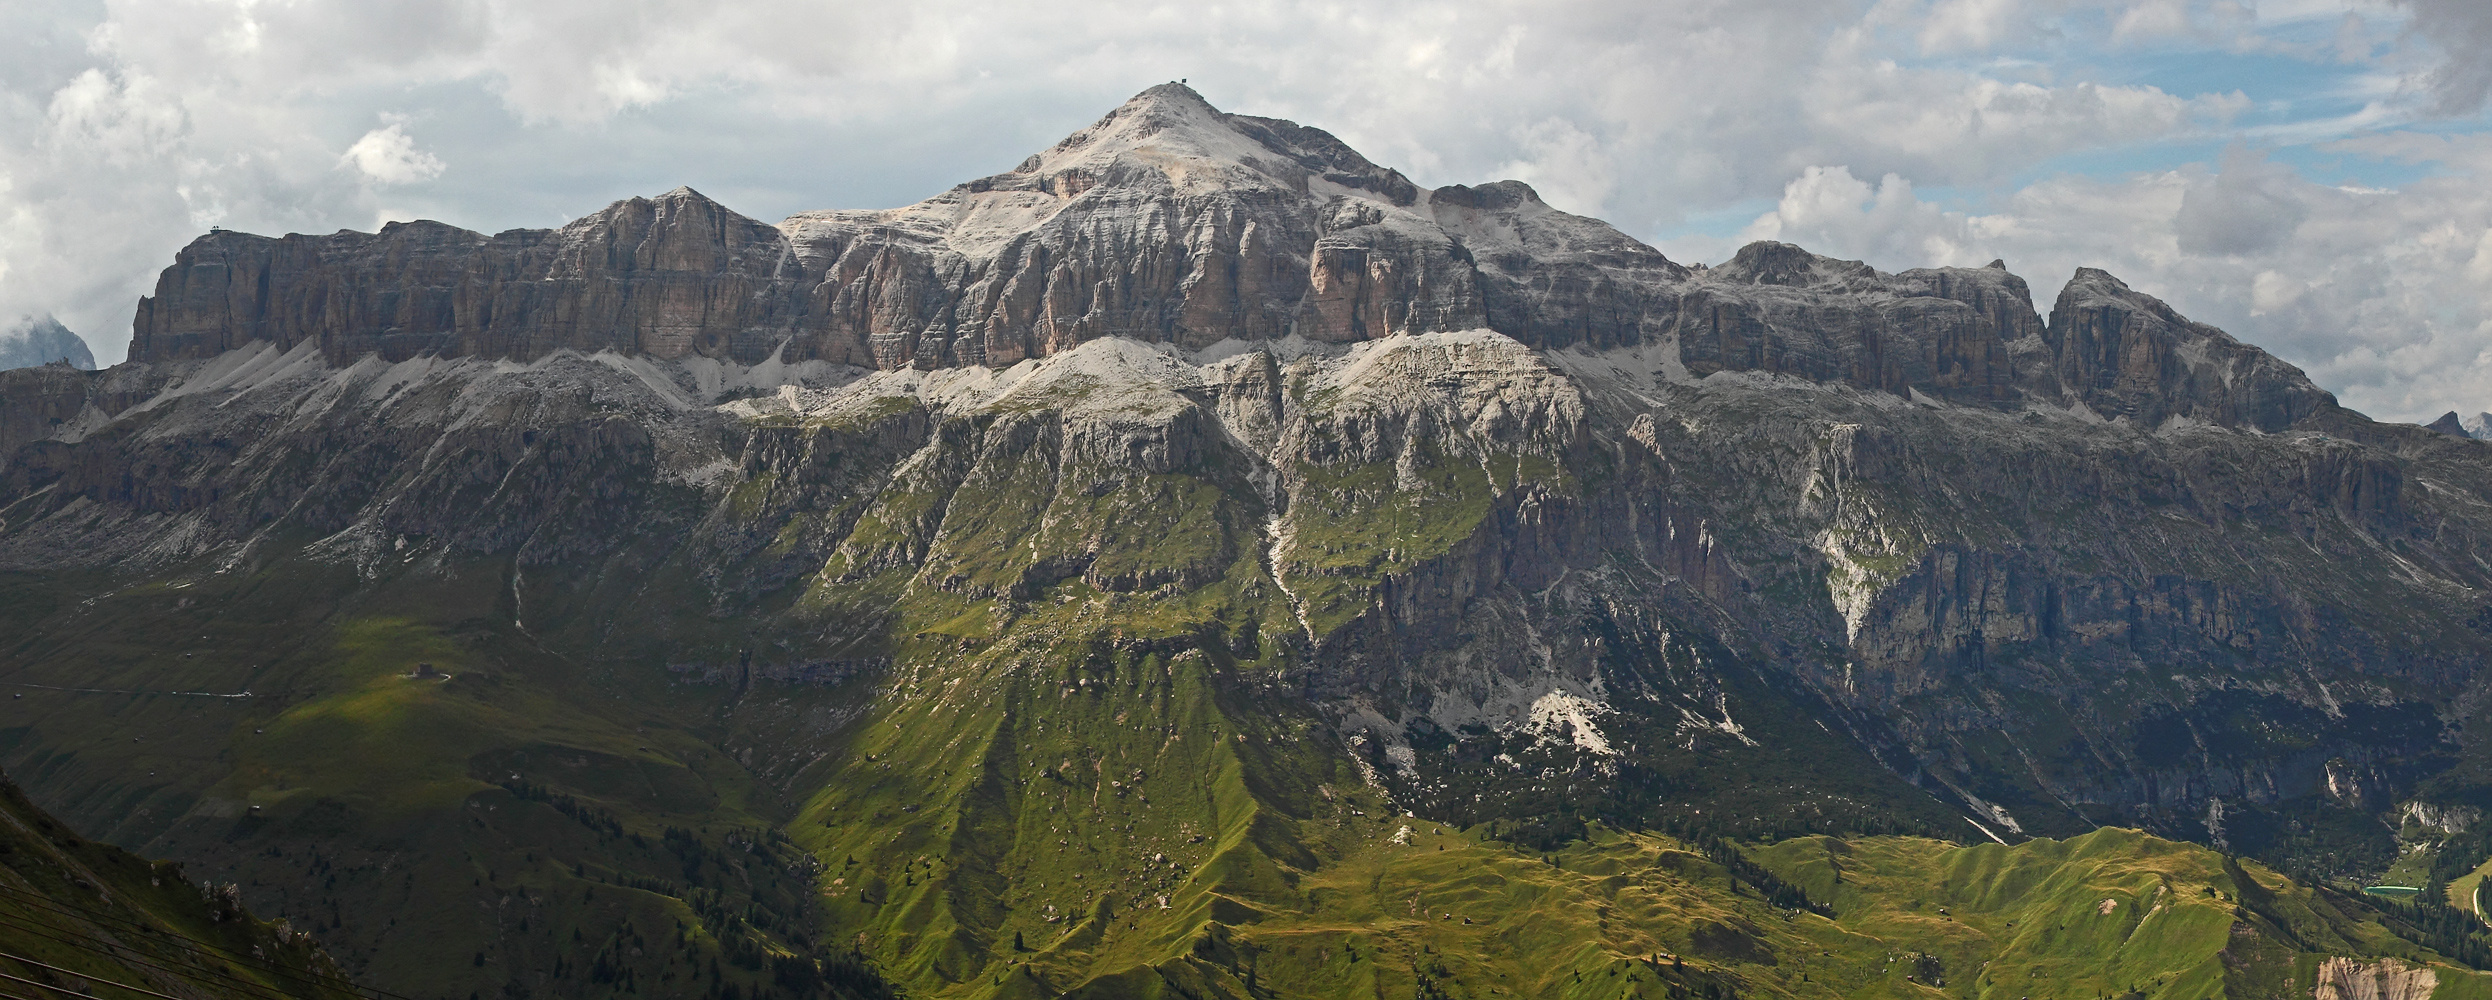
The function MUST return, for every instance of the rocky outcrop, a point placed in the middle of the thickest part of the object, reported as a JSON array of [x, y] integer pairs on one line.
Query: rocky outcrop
[[1945, 333], [61, 403], [2341, 978], [39, 402], [1169, 221], [2126, 354], [1166, 221]]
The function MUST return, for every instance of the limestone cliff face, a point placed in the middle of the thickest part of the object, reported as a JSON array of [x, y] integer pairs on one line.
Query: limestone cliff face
[[2126, 354], [1948, 333], [671, 277], [1169, 221]]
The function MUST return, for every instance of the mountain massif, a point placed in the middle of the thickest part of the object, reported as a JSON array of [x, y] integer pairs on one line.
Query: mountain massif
[[1202, 562]]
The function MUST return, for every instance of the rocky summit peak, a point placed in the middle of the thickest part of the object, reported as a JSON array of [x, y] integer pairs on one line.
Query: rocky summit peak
[[41, 340], [1169, 120], [680, 202], [1168, 134], [2130, 355], [1172, 101], [1766, 262]]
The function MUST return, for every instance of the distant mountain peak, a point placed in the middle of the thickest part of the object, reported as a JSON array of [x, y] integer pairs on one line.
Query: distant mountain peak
[[42, 340]]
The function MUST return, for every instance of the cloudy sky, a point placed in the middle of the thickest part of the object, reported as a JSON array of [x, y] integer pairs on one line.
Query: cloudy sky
[[2314, 175]]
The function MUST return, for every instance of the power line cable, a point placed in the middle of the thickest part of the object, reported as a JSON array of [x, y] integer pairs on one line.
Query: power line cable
[[305, 978], [264, 989], [70, 972], [185, 941], [201, 947]]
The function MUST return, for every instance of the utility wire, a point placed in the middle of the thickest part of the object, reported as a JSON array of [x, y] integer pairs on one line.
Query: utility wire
[[117, 955], [207, 963], [68, 972], [195, 946]]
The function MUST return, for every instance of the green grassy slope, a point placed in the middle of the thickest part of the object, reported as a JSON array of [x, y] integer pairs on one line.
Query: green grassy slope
[[2110, 913], [519, 823], [92, 919]]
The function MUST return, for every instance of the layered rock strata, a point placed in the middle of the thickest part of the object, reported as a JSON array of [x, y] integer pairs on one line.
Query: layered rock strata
[[1171, 222]]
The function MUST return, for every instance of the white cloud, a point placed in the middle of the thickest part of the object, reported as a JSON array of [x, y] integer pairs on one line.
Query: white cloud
[[388, 156], [1566, 164], [2156, 20], [1951, 126], [1970, 25], [120, 120], [2270, 291], [1826, 207]]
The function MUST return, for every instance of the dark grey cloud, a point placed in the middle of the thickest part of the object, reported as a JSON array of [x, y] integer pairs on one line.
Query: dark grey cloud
[[2459, 32], [2251, 206]]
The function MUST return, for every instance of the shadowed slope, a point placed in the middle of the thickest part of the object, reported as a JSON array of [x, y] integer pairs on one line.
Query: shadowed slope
[[87, 918]]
